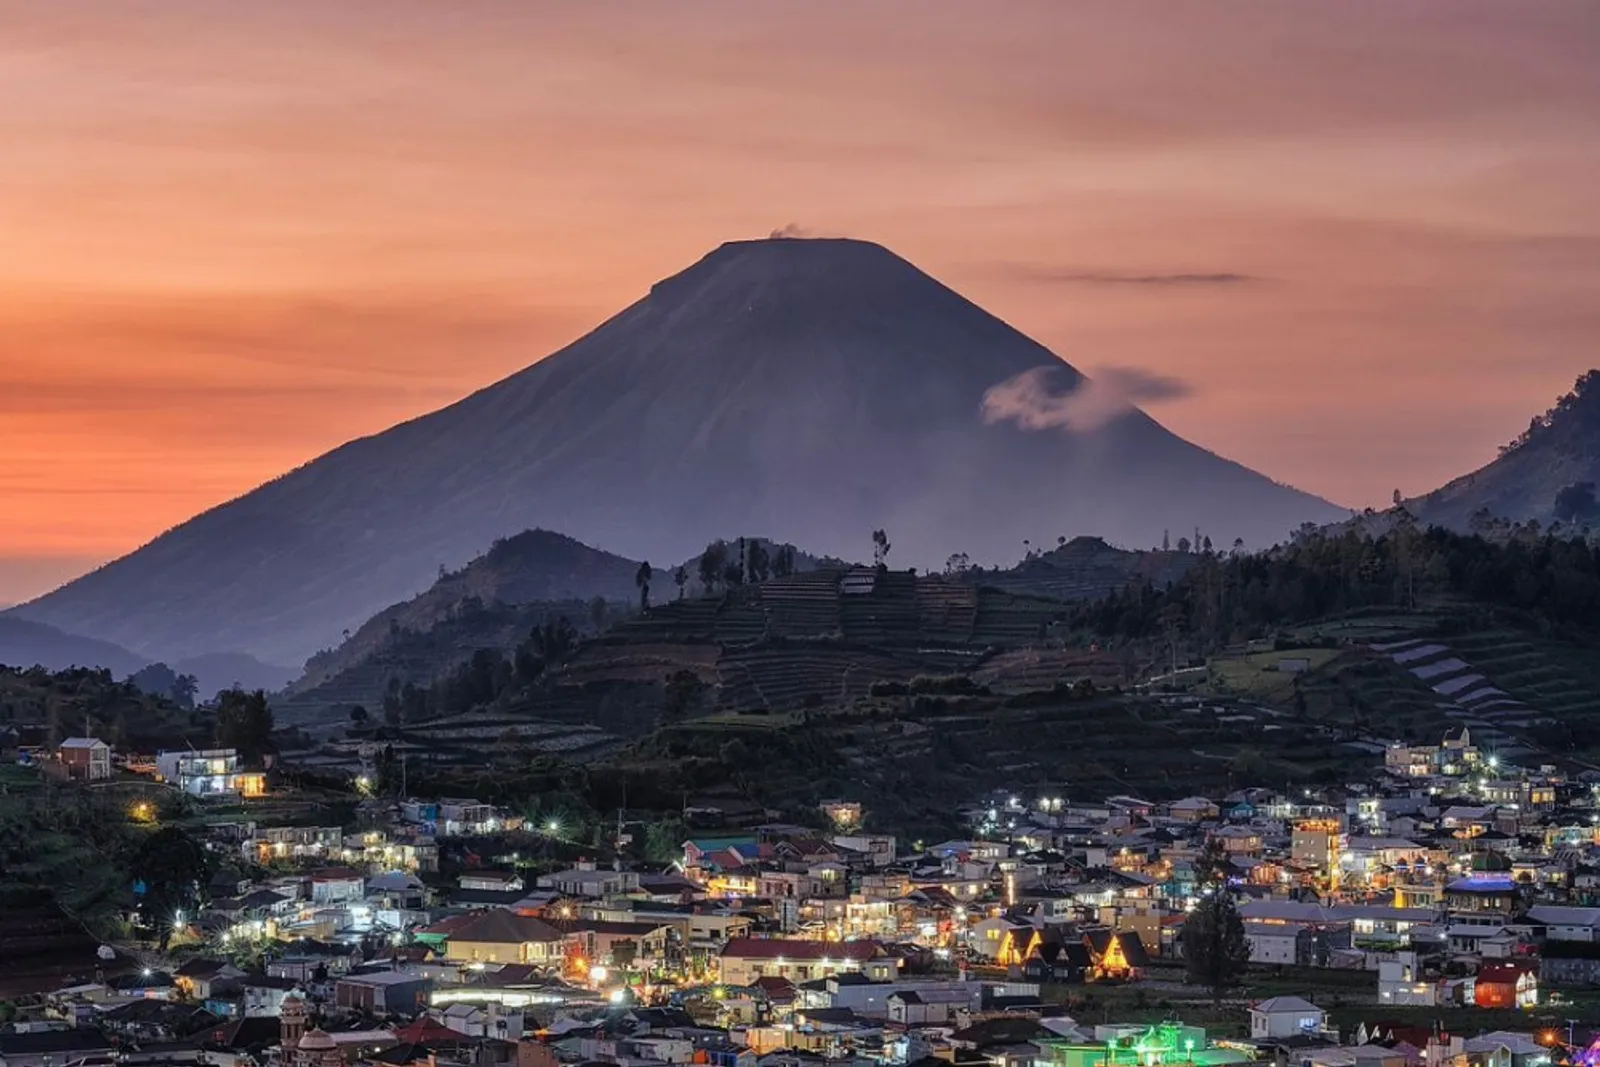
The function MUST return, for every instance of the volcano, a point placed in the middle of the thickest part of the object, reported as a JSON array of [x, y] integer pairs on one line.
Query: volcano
[[807, 390]]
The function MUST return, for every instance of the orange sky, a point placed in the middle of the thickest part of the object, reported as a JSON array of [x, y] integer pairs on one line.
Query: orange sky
[[237, 234]]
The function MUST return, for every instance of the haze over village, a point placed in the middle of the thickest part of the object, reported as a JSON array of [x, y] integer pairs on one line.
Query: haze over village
[[800, 535]]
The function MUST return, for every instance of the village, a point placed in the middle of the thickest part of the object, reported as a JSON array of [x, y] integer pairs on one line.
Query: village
[[1444, 909]]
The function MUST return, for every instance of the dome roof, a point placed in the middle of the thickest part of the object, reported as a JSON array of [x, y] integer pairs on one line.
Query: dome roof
[[317, 1041]]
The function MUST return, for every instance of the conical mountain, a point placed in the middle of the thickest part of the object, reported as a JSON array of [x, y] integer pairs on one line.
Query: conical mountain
[[807, 390]]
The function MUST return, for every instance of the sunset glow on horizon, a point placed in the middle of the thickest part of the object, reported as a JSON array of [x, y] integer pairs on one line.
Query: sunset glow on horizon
[[1365, 238]]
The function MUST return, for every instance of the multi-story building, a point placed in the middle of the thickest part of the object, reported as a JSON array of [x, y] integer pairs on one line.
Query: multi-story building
[[211, 772]]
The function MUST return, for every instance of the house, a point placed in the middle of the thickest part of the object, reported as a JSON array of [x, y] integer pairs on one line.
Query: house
[[487, 1020], [1278, 942], [42, 1048], [586, 880], [200, 978], [335, 885], [1115, 956], [928, 1007], [1482, 894], [1285, 1017], [1239, 840], [1059, 961], [1004, 940], [1503, 1049], [1400, 982], [610, 943], [745, 959], [878, 849], [383, 992], [500, 936], [1570, 963], [85, 759], [1506, 985], [211, 772], [1193, 809], [264, 994], [492, 881], [1566, 924]]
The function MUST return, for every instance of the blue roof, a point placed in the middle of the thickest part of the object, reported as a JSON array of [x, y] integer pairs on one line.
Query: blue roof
[[1499, 883]]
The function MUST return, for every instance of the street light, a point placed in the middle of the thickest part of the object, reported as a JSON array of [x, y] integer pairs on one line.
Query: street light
[[552, 827]]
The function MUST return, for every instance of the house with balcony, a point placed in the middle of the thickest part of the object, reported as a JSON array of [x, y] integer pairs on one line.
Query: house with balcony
[[210, 773]]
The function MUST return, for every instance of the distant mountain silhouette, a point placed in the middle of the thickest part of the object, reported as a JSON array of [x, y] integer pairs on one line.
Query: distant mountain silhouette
[[24, 643], [813, 390], [35, 644], [1548, 474]]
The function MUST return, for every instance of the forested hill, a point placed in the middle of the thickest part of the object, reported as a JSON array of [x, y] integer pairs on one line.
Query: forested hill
[[1547, 474], [1550, 581]]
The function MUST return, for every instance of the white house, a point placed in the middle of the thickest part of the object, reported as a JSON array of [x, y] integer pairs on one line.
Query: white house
[[1285, 1017], [1566, 924], [1276, 942], [1400, 982]]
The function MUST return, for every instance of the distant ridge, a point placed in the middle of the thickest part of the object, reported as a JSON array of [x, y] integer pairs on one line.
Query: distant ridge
[[812, 389], [1540, 476]]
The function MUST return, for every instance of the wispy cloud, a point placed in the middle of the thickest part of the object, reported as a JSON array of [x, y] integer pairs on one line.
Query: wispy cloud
[[1073, 276], [1032, 400]]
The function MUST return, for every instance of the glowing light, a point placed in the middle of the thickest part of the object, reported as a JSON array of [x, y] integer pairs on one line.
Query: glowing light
[[146, 972], [598, 973], [553, 826], [618, 996]]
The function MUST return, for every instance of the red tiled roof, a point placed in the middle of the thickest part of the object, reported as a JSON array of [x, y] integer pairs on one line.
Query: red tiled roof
[[757, 948], [425, 1030], [778, 990]]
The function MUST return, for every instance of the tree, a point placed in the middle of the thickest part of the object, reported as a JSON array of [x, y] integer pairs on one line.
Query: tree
[[713, 565], [641, 578], [1183, 545], [880, 549], [597, 613], [1211, 866], [682, 691], [358, 715], [393, 705], [244, 722], [663, 841], [760, 563], [1576, 501], [554, 641], [171, 868], [184, 689], [680, 578], [1216, 952], [783, 561], [957, 563]]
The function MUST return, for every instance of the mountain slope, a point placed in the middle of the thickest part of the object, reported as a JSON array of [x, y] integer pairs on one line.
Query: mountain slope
[[1559, 451], [814, 390]]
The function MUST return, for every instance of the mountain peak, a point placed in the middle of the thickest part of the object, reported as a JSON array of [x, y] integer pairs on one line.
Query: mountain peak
[[809, 389]]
